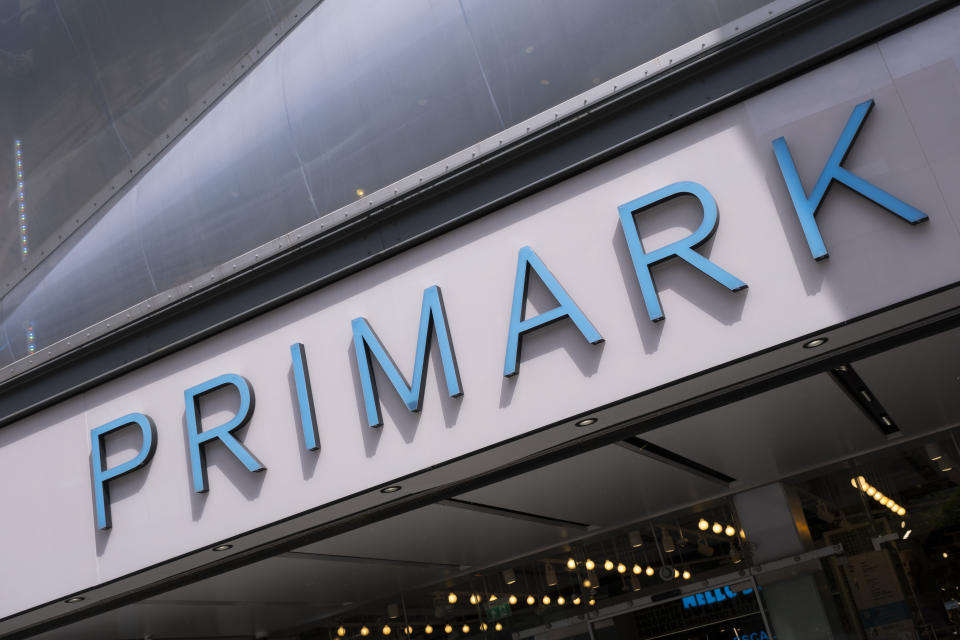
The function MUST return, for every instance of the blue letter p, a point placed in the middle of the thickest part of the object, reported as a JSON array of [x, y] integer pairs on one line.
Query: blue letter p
[[101, 476]]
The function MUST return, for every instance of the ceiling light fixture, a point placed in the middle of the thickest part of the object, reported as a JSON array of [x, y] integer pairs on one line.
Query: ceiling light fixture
[[74, 599], [636, 540], [907, 534], [222, 547], [391, 489], [551, 576], [816, 342], [586, 422], [667, 541], [509, 576]]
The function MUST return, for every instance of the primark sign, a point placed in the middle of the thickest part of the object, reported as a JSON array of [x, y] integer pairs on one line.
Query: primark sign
[[371, 355]]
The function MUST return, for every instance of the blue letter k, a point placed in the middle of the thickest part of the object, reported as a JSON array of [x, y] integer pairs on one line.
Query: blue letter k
[[807, 206]]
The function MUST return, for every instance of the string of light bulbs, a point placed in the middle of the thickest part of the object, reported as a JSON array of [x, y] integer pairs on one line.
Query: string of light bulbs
[[861, 483]]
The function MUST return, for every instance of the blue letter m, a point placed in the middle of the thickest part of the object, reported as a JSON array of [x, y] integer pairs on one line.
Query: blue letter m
[[366, 344], [807, 206]]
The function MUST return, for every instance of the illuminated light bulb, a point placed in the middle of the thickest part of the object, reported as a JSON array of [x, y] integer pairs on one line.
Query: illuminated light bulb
[[621, 568], [587, 583], [649, 571], [498, 627], [871, 491], [853, 482], [531, 600], [341, 631], [730, 531], [703, 525], [447, 628], [571, 564], [546, 600], [945, 555], [512, 599], [608, 565], [386, 630], [878, 496], [474, 598], [637, 569], [686, 575], [717, 527], [493, 597], [360, 193], [428, 629], [465, 628], [901, 511], [676, 573], [364, 631], [743, 534], [591, 602], [884, 501], [452, 598], [561, 600], [483, 626], [576, 600], [589, 564], [408, 630]]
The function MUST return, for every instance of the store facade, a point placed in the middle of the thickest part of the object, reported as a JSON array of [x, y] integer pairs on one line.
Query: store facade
[[656, 397]]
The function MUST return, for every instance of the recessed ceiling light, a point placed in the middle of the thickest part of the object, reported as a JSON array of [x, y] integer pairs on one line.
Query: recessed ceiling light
[[222, 547], [813, 344], [391, 489], [74, 599], [586, 422]]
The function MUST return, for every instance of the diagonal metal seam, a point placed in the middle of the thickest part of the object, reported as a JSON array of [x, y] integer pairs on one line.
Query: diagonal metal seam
[[515, 514], [652, 451], [331, 557], [561, 116]]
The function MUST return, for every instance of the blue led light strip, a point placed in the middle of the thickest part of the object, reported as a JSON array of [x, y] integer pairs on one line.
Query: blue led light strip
[[21, 200]]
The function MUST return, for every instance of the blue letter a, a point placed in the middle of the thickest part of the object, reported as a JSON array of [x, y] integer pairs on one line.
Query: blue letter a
[[366, 344], [567, 308], [807, 206]]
